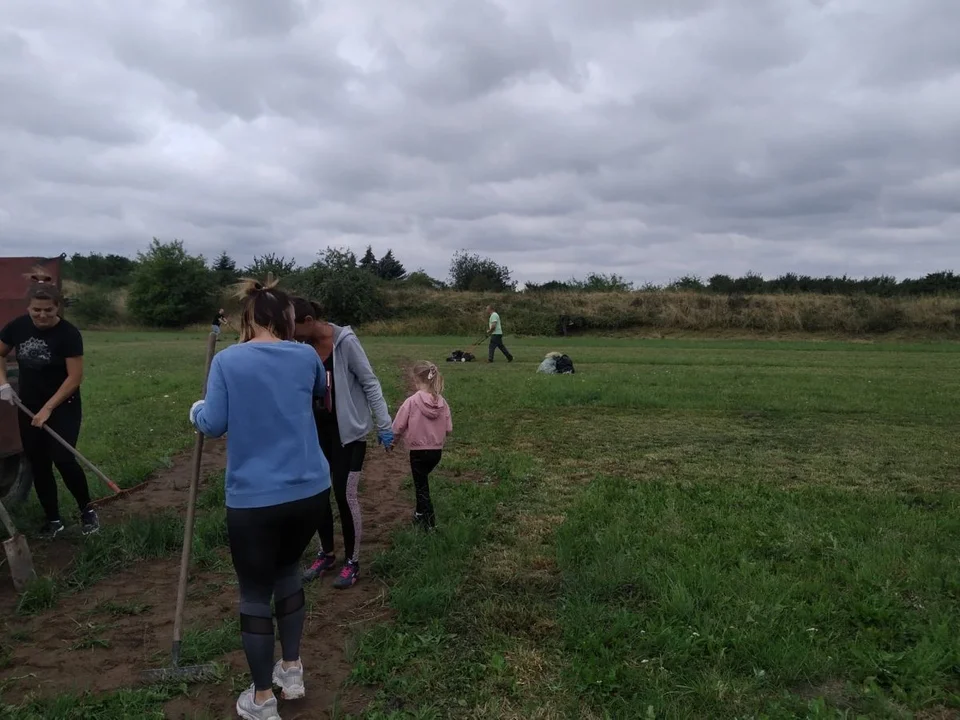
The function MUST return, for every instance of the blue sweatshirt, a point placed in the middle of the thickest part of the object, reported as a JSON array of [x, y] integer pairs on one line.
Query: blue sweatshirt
[[261, 394]]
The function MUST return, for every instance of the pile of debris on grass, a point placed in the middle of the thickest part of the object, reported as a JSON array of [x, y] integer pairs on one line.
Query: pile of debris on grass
[[461, 356], [556, 364]]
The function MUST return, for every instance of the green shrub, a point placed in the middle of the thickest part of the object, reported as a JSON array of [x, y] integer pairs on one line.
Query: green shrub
[[171, 289], [94, 306]]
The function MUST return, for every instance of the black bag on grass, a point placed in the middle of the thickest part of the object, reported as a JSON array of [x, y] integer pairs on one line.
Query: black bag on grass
[[460, 356], [565, 365]]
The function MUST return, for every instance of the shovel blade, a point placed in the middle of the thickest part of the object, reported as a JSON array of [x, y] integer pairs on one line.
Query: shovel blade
[[20, 561]]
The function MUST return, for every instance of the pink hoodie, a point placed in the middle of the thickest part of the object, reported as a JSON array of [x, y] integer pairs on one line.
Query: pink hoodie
[[423, 421]]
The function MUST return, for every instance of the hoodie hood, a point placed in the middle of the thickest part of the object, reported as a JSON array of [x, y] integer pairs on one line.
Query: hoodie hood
[[432, 407], [340, 332]]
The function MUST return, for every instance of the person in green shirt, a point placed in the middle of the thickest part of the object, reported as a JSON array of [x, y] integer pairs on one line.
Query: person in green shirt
[[495, 331]]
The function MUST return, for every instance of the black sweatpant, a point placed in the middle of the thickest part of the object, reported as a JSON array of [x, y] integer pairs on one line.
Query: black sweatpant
[[266, 545], [422, 463], [43, 453], [346, 469], [496, 342]]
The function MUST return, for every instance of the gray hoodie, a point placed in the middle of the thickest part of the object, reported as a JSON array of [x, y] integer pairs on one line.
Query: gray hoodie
[[358, 390]]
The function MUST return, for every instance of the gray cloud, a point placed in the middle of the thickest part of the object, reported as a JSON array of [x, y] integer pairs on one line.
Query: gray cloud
[[647, 139]]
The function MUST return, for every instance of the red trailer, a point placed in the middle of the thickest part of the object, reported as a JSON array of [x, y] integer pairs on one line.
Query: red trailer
[[15, 278]]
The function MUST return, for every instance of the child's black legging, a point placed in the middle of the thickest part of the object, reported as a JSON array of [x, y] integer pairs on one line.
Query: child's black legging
[[43, 453], [346, 469], [422, 463], [266, 545]]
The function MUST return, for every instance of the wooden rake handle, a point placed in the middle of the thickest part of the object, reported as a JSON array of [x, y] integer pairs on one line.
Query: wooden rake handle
[[73, 451], [191, 512]]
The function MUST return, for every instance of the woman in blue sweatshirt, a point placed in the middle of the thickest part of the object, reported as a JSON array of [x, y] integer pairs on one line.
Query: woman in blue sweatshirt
[[261, 394]]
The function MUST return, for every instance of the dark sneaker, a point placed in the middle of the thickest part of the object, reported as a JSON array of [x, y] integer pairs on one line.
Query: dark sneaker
[[348, 575], [89, 522], [321, 564], [51, 529], [425, 521]]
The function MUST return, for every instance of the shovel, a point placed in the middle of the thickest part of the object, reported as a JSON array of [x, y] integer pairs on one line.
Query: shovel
[[175, 672], [18, 553]]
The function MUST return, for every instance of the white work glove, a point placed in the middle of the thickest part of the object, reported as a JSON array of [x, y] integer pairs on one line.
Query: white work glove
[[6, 393], [193, 411]]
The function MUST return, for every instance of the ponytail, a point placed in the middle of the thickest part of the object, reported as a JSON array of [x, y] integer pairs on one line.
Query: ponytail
[[428, 375], [264, 306]]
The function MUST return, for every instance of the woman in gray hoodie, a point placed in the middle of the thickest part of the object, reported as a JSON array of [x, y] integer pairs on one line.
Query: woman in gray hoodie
[[344, 419]]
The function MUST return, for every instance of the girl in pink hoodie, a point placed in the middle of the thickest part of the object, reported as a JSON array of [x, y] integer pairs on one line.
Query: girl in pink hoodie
[[424, 421]]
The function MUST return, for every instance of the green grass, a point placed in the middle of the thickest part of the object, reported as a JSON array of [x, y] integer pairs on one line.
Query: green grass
[[685, 529], [682, 529]]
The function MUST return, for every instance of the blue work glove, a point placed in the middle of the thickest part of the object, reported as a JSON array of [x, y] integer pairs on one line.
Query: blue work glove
[[385, 438], [193, 411]]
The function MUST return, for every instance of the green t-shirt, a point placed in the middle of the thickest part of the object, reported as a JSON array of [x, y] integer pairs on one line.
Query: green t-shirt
[[495, 321]]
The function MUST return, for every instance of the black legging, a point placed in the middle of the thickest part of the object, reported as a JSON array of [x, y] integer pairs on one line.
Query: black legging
[[43, 453], [266, 545], [346, 468], [422, 463]]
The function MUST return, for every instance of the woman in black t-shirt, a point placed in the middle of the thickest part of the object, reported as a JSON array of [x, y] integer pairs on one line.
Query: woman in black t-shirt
[[50, 356]]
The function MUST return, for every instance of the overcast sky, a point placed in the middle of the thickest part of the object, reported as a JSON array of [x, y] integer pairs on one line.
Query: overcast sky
[[559, 137]]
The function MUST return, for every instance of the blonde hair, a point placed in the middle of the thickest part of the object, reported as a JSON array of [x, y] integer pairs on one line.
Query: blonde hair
[[264, 305], [428, 375]]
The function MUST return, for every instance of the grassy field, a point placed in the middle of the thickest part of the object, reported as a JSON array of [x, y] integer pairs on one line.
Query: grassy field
[[683, 529]]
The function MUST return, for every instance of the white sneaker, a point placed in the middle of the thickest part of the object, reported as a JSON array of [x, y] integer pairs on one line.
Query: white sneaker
[[289, 681], [248, 709]]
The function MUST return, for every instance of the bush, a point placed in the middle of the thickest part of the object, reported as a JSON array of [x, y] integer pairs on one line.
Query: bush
[[478, 274], [171, 289], [94, 306], [348, 293]]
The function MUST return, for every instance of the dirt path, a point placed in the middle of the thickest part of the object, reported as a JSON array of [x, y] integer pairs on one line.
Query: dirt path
[[100, 639]]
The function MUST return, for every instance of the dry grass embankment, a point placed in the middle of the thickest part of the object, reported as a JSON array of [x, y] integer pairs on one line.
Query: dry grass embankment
[[448, 313], [427, 313]]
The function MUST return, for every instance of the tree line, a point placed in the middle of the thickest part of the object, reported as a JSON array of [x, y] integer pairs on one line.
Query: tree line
[[169, 287]]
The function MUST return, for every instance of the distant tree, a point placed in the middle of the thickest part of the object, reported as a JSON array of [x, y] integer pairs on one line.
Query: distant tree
[[472, 272], [170, 288], [687, 282], [369, 261], [270, 263], [225, 270], [597, 282], [389, 268], [348, 293], [107, 271], [420, 279], [720, 284]]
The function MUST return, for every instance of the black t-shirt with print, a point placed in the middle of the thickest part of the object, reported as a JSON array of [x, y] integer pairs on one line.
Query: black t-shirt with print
[[218, 318], [42, 357]]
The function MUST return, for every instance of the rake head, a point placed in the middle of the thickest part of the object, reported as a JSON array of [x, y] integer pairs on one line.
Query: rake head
[[179, 673], [187, 673]]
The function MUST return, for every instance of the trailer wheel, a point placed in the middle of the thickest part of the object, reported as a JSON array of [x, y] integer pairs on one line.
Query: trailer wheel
[[16, 479]]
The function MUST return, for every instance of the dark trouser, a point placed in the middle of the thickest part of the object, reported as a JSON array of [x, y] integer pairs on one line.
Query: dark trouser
[[266, 545], [422, 463], [43, 453], [346, 469], [496, 342]]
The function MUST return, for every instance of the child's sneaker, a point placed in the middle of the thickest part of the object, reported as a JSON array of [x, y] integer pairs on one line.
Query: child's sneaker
[[321, 564], [248, 709], [348, 575], [425, 521], [290, 681], [51, 529]]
